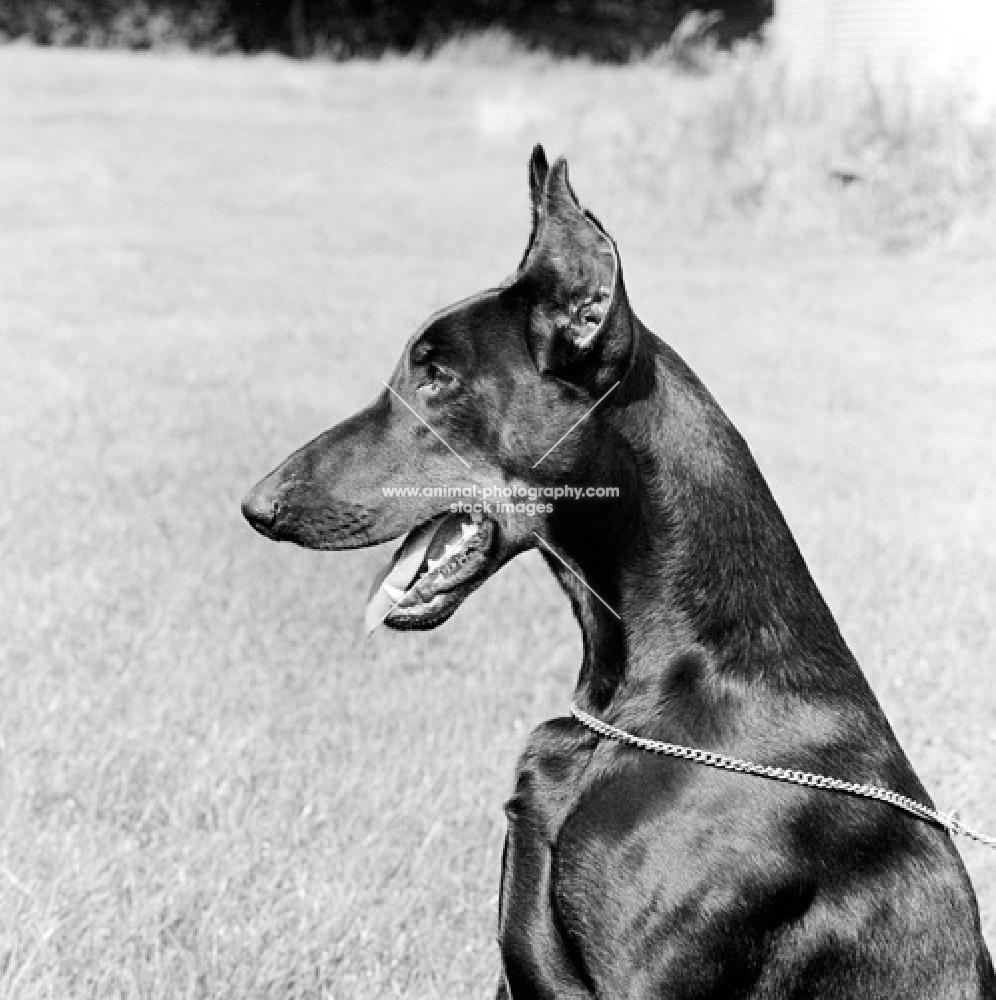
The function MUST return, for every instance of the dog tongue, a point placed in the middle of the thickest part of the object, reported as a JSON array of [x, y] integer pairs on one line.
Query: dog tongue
[[399, 572]]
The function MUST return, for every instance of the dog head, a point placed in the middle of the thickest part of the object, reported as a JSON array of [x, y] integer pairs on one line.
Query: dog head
[[498, 406]]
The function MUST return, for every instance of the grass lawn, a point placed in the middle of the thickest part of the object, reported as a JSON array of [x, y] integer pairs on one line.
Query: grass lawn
[[211, 785]]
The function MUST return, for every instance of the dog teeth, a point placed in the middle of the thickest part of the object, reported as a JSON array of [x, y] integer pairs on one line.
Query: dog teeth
[[451, 550], [454, 552]]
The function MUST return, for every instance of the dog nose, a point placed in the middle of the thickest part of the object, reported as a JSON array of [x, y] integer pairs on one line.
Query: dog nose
[[260, 509]]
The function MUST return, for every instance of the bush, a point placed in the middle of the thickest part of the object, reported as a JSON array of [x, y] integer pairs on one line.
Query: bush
[[133, 24], [736, 138], [605, 29]]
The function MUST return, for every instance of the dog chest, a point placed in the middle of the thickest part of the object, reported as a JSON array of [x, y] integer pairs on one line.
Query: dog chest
[[548, 780], [547, 777]]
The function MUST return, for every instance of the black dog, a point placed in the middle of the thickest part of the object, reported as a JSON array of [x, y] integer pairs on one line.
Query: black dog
[[628, 875]]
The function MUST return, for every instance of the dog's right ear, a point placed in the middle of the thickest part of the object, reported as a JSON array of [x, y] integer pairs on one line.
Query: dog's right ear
[[580, 328]]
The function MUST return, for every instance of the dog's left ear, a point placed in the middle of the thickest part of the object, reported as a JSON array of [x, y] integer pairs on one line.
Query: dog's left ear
[[538, 171], [580, 326]]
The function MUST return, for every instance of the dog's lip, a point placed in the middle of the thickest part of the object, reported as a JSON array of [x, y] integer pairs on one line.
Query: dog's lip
[[438, 609], [433, 595], [438, 557], [424, 616], [446, 574]]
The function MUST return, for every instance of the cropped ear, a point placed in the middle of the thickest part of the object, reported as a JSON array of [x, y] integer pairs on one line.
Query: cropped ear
[[538, 170], [580, 326]]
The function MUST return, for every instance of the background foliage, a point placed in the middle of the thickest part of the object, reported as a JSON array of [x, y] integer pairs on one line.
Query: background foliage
[[605, 29]]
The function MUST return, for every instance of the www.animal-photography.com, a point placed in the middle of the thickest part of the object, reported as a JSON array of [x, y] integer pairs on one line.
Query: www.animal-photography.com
[[498, 500]]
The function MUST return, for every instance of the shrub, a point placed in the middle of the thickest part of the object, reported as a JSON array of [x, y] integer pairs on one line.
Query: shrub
[[738, 139], [133, 24], [604, 29]]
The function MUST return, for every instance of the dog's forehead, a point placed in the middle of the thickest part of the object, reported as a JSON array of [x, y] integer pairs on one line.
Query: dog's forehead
[[451, 325]]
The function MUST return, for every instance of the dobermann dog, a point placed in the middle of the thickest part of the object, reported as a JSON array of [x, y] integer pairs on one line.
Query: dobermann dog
[[627, 874]]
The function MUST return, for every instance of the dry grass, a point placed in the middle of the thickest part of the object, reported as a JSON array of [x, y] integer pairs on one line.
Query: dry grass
[[720, 139], [211, 786], [743, 142]]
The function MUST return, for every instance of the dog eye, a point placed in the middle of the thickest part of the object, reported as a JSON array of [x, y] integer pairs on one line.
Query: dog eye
[[437, 379]]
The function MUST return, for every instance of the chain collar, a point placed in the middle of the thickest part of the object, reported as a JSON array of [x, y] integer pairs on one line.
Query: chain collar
[[918, 809]]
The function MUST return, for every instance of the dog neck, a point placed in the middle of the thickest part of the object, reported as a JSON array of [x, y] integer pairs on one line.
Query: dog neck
[[693, 576]]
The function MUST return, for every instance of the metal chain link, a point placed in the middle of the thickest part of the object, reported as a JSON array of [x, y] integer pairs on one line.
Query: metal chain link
[[949, 823]]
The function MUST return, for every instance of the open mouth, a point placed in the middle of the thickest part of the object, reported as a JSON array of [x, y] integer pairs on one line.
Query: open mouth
[[436, 567]]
